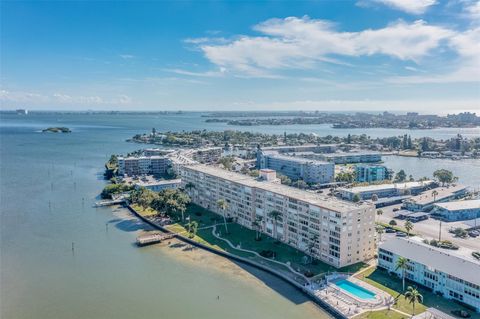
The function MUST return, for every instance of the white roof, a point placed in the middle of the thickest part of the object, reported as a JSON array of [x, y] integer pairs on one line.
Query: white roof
[[460, 204], [297, 159], [442, 193], [371, 188], [327, 202], [444, 260]]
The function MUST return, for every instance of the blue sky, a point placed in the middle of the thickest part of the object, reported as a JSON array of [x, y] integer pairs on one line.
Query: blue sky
[[421, 55]]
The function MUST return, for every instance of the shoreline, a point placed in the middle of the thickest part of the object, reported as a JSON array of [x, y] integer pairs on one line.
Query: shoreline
[[234, 258]]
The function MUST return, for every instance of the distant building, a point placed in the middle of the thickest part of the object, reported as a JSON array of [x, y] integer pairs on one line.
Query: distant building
[[385, 190], [156, 152], [207, 155], [425, 201], [307, 148], [142, 165], [311, 171], [158, 185], [352, 158], [22, 112], [458, 210], [370, 173], [452, 274]]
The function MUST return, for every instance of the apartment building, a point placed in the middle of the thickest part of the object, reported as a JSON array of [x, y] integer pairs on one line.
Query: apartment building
[[370, 173], [207, 155], [351, 158], [458, 210], [426, 200], [452, 274], [142, 165], [385, 190], [311, 171], [337, 232]]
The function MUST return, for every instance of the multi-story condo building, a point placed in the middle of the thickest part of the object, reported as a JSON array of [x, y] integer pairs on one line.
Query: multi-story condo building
[[385, 190], [370, 173], [142, 165], [311, 171], [458, 210], [453, 274], [425, 201], [337, 232], [306, 148], [157, 152], [207, 155], [351, 158]]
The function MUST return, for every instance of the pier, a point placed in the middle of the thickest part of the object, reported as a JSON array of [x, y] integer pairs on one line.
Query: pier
[[104, 203], [151, 239]]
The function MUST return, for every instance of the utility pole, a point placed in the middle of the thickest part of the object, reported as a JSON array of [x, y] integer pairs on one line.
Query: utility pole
[[440, 232]]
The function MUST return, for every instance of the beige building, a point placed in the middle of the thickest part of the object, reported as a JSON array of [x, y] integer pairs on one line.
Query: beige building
[[337, 232]]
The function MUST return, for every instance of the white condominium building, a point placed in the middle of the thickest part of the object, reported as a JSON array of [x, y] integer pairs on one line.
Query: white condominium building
[[142, 165], [337, 232], [453, 274]]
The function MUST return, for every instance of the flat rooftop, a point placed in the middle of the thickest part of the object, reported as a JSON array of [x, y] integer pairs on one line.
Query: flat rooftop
[[131, 158], [296, 158], [458, 263], [330, 203], [371, 188], [341, 154], [460, 204], [442, 193], [150, 180]]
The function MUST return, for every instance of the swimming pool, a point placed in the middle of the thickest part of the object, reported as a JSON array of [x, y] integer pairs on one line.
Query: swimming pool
[[355, 290]]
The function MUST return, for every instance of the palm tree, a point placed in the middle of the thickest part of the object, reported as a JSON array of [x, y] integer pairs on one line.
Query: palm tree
[[192, 228], [256, 225], [380, 231], [434, 194], [408, 227], [402, 263], [379, 212], [189, 186], [274, 214], [223, 205], [413, 296]]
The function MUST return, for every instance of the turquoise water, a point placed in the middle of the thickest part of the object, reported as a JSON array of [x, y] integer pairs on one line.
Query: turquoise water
[[355, 289]]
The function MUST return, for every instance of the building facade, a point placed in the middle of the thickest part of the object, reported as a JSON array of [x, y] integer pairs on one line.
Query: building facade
[[143, 165], [450, 274], [352, 158], [207, 155], [311, 171], [158, 186], [337, 232], [425, 201], [457, 210], [370, 173], [385, 190]]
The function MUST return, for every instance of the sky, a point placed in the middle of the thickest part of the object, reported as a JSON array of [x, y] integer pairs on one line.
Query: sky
[[372, 55]]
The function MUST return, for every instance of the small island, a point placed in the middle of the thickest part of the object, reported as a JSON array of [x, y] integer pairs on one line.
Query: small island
[[57, 130]]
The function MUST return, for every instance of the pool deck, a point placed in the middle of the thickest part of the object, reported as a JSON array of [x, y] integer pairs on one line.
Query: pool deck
[[349, 304]]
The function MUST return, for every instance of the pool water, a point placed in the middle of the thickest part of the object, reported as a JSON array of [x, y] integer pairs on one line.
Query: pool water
[[355, 290]]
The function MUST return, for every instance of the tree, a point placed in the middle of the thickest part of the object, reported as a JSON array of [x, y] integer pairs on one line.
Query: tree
[[402, 264], [379, 212], [392, 223], [413, 296], [189, 186], [400, 177], [408, 227], [256, 224], [374, 197], [380, 230], [192, 228], [444, 176], [223, 205], [356, 198], [434, 195], [274, 214]]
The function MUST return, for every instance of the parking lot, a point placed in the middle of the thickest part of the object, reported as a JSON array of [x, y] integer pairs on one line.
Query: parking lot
[[430, 228]]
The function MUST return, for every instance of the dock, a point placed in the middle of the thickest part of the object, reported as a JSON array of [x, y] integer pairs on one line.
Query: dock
[[104, 203], [151, 239]]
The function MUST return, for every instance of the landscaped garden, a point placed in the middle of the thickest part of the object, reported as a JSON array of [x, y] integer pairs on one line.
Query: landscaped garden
[[393, 285]]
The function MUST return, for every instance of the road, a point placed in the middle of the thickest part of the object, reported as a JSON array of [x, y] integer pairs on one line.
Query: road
[[430, 229]]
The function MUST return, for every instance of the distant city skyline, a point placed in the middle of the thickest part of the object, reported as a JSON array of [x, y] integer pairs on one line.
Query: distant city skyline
[[364, 55]]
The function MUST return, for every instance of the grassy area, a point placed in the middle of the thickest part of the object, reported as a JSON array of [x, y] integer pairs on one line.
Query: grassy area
[[393, 285], [245, 238], [145, 212], [382, 314], [396, 227]]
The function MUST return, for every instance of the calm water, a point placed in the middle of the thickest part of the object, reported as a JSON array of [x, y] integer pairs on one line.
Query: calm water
[[48, 183]]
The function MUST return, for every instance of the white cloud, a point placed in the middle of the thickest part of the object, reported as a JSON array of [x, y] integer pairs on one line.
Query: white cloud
[[126, 56], [473, 10], [303, 42], [409, 6]]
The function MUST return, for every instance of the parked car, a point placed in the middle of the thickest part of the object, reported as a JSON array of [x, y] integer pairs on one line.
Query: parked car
[[474, 233], [396, 209], [390, 230], [401, 234]]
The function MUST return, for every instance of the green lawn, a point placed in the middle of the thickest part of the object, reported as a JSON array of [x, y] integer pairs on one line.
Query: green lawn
[[382, 314], [145, 212], [393, 285], [245, 237]]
